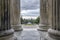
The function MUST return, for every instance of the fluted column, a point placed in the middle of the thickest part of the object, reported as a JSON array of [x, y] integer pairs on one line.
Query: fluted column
[[16, 21], [54, 31], [6, 32], [43, 15]]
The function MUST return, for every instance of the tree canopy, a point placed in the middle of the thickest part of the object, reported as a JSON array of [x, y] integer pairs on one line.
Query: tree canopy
[[33, 21]]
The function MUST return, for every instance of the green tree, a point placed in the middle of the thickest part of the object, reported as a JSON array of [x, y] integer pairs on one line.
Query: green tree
[[22, 20], [37, 20]]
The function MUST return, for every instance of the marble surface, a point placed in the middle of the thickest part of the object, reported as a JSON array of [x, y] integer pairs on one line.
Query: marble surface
[[29, 34]]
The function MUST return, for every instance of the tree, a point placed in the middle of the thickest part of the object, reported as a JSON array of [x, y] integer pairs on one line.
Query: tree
[[37, 20], [22, 20]]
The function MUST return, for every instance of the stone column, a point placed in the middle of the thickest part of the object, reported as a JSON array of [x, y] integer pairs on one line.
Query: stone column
[[54, 31], [43, 26], [16, 21], [6, 32]]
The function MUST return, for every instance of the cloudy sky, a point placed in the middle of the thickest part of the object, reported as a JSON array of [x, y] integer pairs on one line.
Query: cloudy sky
[[30, 9]]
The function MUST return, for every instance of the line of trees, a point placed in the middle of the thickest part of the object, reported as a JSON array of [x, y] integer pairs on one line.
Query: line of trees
[[33, 21]]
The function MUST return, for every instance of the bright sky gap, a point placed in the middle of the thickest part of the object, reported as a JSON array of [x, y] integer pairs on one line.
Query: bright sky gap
[[30, 9]]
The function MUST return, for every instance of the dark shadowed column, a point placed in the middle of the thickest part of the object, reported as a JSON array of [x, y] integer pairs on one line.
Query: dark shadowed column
[[6, 32]]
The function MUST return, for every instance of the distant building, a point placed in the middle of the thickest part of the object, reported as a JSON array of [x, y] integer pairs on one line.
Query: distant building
[[29, 23]]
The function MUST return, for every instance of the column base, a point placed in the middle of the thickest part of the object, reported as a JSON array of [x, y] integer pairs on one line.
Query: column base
[[54, 34], [7, 35], [43, 27], [17, 27], [47, 37], [40, 29]]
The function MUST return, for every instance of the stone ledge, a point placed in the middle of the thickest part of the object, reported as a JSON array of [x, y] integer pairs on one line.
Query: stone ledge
[[55, 34], [6, 32], [47, 37], [17, 27], [9, 37], [43, 27]]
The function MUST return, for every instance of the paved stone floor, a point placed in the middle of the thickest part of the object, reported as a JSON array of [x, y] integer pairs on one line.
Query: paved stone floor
[[29, 34]]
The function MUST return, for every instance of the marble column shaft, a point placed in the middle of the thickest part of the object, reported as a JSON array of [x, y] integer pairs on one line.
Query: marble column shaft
[[43, 15], [6, 32], [15, 19], [54, 31]]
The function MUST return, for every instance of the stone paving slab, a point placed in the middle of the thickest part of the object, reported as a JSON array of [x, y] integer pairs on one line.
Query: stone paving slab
[[30, 33]]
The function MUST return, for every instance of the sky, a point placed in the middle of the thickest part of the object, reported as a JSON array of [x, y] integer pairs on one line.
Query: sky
[[30, 9]]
